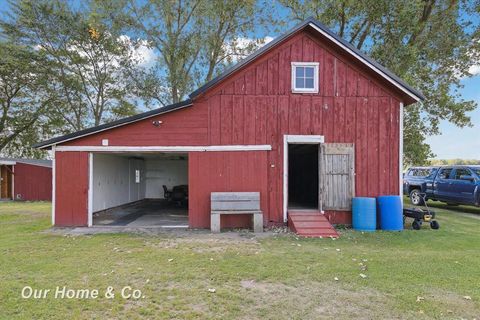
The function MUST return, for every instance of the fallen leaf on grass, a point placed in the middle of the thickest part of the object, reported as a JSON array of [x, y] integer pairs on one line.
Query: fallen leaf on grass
[[363, 275], [467, 297], [170, 260], [212, 290], [420, 299], [336, 279]]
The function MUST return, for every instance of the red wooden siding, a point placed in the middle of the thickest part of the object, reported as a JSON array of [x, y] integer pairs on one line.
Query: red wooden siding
[[352, 106], [71, 188], [187, 127], [255, 106], [224, 171], [32, 183]]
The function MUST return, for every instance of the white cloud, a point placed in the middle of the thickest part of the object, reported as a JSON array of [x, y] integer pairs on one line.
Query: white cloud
[[474, 70], [141, 52]]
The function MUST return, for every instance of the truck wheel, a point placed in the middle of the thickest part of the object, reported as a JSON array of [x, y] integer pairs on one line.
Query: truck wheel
[[415, 198]]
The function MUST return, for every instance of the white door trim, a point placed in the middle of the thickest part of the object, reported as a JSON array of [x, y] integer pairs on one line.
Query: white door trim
[[263, 147], [294, 139], [90, 189]]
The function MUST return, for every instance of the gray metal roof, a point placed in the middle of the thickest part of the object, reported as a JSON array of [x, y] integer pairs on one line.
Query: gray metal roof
[[35, 162]]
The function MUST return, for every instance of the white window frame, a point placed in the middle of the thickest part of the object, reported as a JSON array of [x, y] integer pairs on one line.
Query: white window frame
[[314, 65]]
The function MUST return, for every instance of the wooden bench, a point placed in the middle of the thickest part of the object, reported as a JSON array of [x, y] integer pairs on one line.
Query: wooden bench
[[235, 203]]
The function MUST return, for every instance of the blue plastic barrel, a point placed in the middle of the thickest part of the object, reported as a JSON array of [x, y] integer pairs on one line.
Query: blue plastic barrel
[[364, 214], [391, 217]]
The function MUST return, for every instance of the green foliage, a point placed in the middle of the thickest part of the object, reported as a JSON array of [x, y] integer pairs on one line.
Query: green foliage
[[450, 162], [194, 40], [86, 57], [428, 43], [23, 98]]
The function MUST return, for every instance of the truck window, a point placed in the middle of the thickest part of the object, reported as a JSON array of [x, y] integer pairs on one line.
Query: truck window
[[420, 172], [444, 173], [462, 172]]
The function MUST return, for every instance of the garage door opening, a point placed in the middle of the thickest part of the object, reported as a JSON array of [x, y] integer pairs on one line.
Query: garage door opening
[[140, 190], [303, 176]]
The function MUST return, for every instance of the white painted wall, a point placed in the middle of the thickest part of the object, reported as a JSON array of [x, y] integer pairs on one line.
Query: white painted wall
[[164, 172], [114, 181]]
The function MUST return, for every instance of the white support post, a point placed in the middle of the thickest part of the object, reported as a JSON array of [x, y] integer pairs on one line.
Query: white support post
[[53, 185], [90, 189], [400, 153]]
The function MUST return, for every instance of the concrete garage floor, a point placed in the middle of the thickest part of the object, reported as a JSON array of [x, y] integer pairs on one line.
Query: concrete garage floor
[[144, 213]]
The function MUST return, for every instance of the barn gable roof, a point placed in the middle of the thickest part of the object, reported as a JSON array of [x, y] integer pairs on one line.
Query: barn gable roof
[[414, 94], [325, 31]]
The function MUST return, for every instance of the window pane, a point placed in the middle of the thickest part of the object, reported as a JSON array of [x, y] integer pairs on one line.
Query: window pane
[[309, 83], [300, 72], [445, 173], [461, 172], [309, 72], [299, 83]]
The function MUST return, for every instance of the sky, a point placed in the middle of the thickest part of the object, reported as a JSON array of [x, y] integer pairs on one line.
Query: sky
[[452, 143], [463, 143]]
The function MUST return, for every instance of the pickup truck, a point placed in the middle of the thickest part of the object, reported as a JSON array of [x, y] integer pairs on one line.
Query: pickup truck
[[451, 184]]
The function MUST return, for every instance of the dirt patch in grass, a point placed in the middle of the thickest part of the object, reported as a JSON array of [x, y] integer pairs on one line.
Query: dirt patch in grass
[[210, 245], [314, 300]]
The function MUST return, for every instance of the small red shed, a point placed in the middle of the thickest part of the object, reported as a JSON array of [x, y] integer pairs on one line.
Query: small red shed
[[307, 120], [26, 179]]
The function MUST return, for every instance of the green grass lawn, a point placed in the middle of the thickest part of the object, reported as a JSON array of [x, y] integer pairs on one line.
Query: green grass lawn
[[273, 278]]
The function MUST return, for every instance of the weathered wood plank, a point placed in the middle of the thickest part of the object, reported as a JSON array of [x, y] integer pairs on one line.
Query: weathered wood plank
[[235, 196], [233, 205]]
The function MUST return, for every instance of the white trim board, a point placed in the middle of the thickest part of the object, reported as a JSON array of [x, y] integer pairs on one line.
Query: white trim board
[[364, 61], [294, 139], [265, 147], [8, 163]]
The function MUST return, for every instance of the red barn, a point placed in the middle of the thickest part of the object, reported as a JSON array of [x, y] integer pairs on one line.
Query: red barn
[[26, 179], [308, 121]]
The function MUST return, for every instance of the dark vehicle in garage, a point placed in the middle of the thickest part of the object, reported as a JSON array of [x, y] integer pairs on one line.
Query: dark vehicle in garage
[[451, 184]]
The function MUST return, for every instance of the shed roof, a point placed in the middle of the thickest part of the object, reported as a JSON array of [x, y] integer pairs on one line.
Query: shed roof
[[34, 162], [414, 94]]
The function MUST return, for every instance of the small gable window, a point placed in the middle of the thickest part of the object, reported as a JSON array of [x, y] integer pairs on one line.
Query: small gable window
[[305, 77]]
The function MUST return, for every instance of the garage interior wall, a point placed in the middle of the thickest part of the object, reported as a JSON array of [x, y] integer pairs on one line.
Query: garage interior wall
[[167, 172], [114, 181]]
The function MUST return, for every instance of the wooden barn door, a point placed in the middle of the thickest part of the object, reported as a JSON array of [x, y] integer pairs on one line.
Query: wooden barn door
[[337, 176], [6, 183]]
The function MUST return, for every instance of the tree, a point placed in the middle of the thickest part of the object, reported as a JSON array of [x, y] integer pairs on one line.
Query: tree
[[23, 99], [86, 57], [194, 41], [428, 43]]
